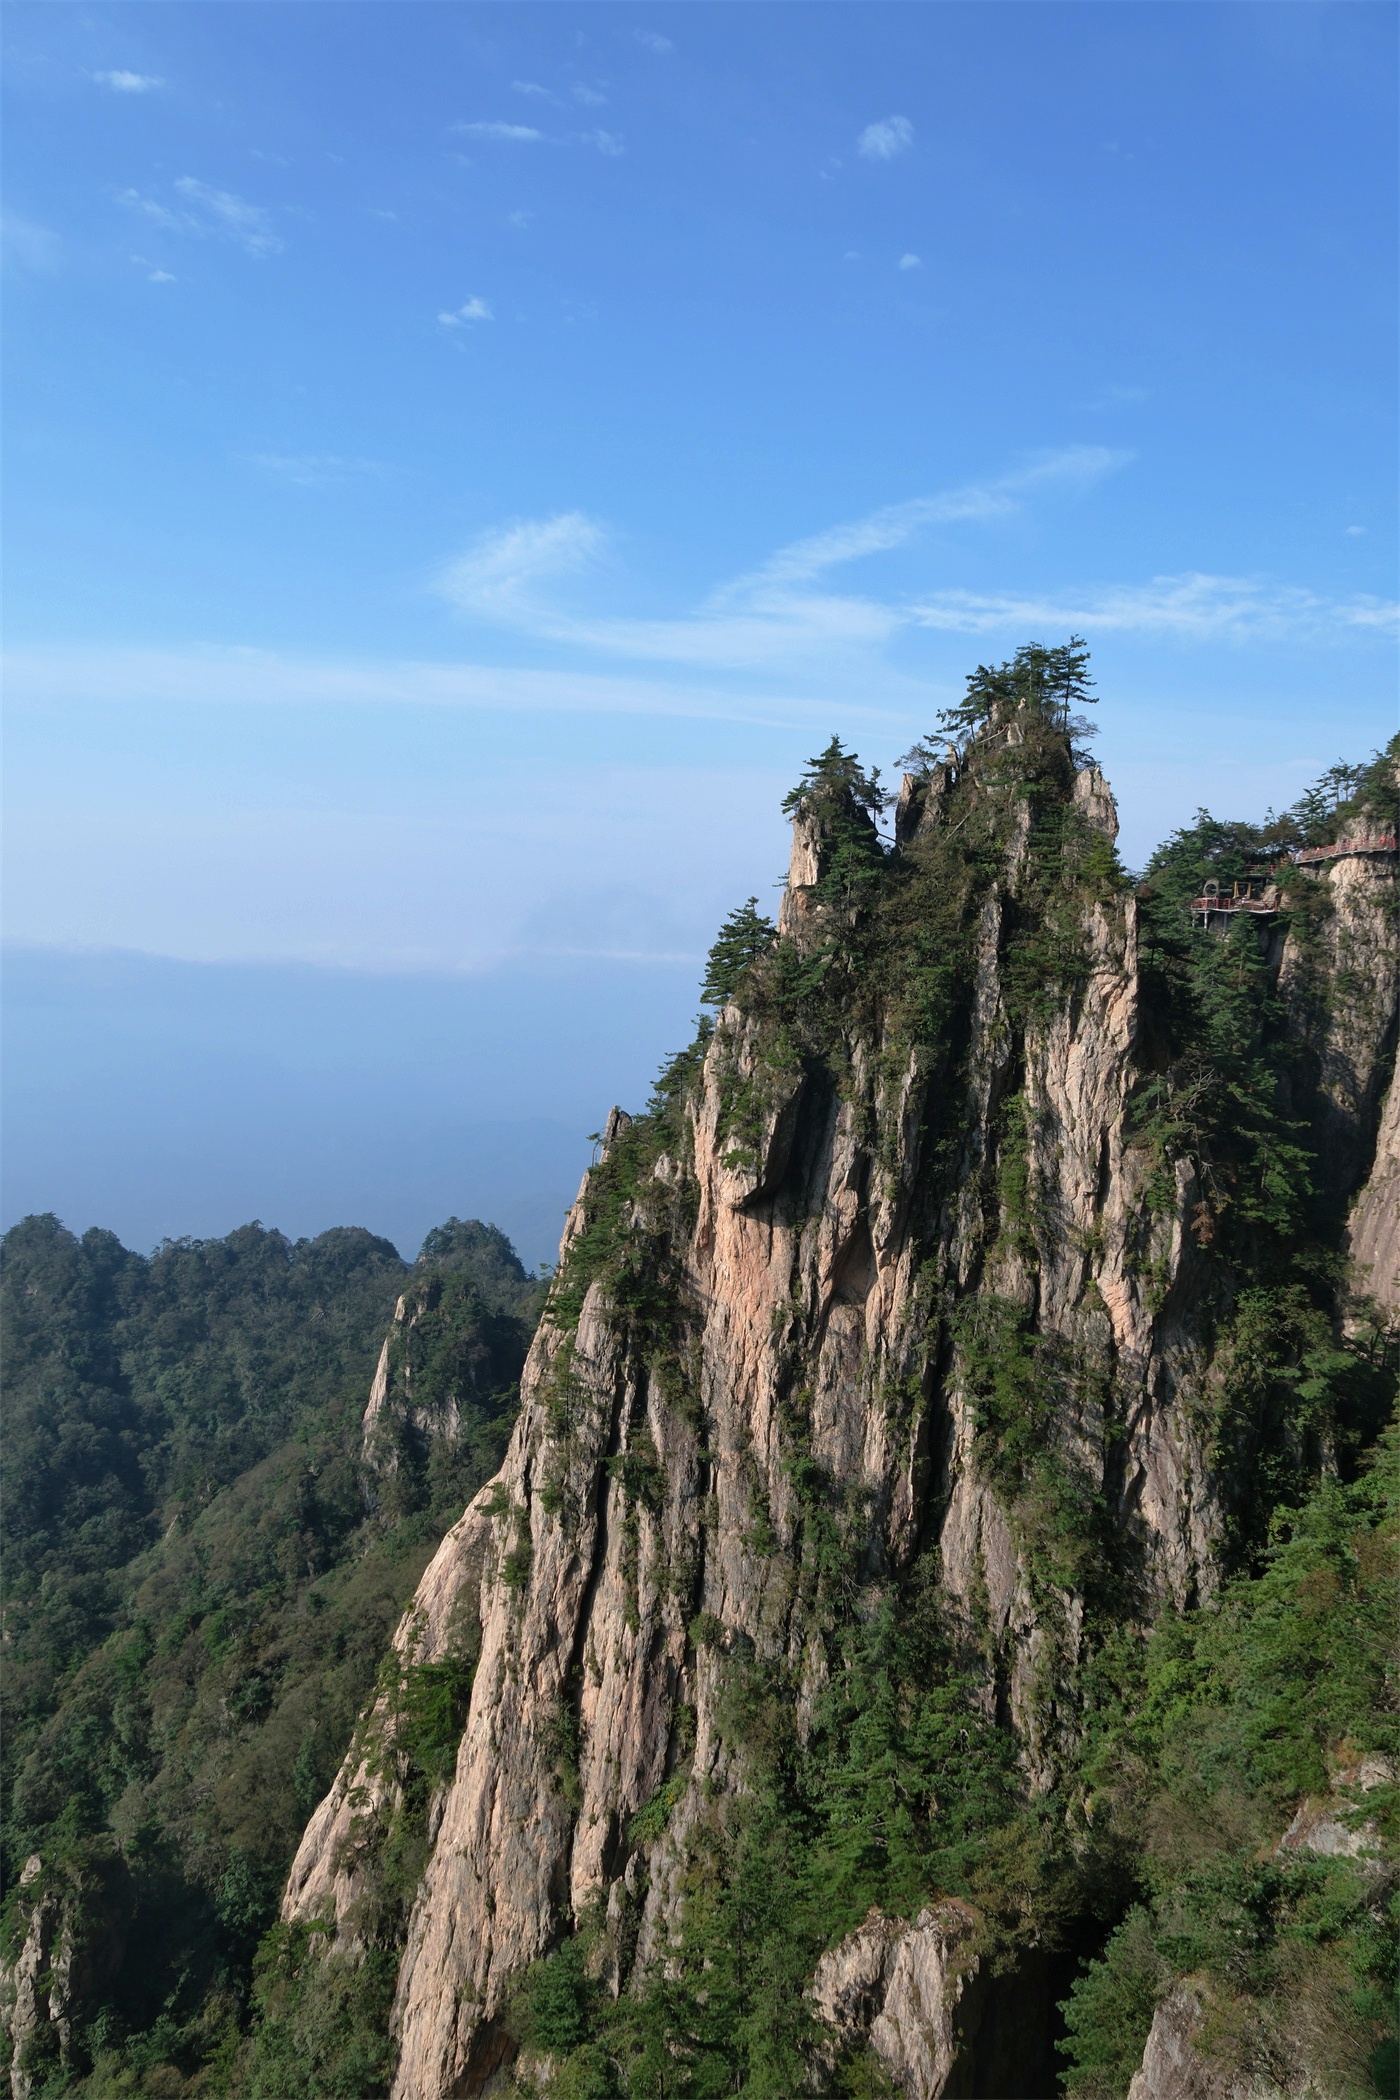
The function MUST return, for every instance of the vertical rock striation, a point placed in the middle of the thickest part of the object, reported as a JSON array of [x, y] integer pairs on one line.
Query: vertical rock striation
[[792, 1292]]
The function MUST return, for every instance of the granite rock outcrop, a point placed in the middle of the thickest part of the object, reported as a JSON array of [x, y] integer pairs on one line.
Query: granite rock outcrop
[[800, 1271]]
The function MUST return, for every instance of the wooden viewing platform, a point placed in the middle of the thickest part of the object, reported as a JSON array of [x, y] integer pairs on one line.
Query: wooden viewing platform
[[1383, 842], [1219, 903], [1258, 893]]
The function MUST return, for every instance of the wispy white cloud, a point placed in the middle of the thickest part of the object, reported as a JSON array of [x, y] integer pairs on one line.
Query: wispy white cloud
[[1192, 607], [771, 618], [205, 210], [124, 83], [248, 224], [887, 139], [528, 134], [513, 576], [509, 134], [897, 523], [472, 310], [651, 40], [784, 617], [911, 262], [579, 91], [27, 246], [499, 575], [161, 214], [154, 273]]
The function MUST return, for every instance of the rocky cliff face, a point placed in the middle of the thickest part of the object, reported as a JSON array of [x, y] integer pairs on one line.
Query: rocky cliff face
[[898, 1269], [1374, 1233], [70, 1941]]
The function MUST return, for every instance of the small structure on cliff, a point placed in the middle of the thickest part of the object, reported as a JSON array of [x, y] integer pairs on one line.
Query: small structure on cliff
[[1219, 903], [1257, 892]]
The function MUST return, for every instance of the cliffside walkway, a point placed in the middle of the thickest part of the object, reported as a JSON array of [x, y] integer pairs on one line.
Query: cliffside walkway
[[1219, 904]]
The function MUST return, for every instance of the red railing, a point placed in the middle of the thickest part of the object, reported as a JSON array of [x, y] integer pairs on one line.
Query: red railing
[[1385, 842], [1232, 904], [1381, 842]]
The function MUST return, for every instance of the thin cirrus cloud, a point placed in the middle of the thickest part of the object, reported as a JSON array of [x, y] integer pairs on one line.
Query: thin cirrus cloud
[[782, 616], [203, 210], [886, 140], [499, 577], [977, 502], [503, 134], [652, 40], [470, 311], [123, 83], [1190, 607], [774, 617], [911, 262], [581, 92], [605, 142], [512, 578]]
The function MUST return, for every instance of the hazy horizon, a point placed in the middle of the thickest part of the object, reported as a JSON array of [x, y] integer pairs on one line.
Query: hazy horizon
[[461, 461]]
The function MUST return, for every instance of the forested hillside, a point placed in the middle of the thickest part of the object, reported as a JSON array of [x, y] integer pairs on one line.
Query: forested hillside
[[923, 1619], [933, 1630], [202, 1570]]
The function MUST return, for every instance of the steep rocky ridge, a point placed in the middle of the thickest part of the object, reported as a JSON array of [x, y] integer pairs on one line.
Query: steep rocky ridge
[[916, 1270], [1374, 1232]]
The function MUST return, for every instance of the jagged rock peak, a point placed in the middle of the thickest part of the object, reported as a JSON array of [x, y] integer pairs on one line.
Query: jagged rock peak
[[907, 1297]]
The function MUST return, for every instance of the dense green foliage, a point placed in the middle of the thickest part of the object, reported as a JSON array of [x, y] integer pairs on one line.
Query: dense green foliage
[[902, 1786], [842, 801], [210, 1565], [453, 1364], [745, 935], [1200, 1741], [631, 1225], [201, 1578], [1049, 683], [1188, 1747], [1206, 1738], [137, 1388]]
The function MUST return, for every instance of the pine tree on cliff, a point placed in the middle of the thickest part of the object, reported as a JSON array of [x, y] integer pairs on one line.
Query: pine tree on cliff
[[1053, 682], [835, 775], [744, 936], [843, 800]]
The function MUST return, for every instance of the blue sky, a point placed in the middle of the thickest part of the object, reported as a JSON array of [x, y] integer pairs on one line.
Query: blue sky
[[462, 459]]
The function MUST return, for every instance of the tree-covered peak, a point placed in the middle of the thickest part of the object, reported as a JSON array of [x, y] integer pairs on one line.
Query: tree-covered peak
[[836, 775], [1051, 684], [488, 1257]]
